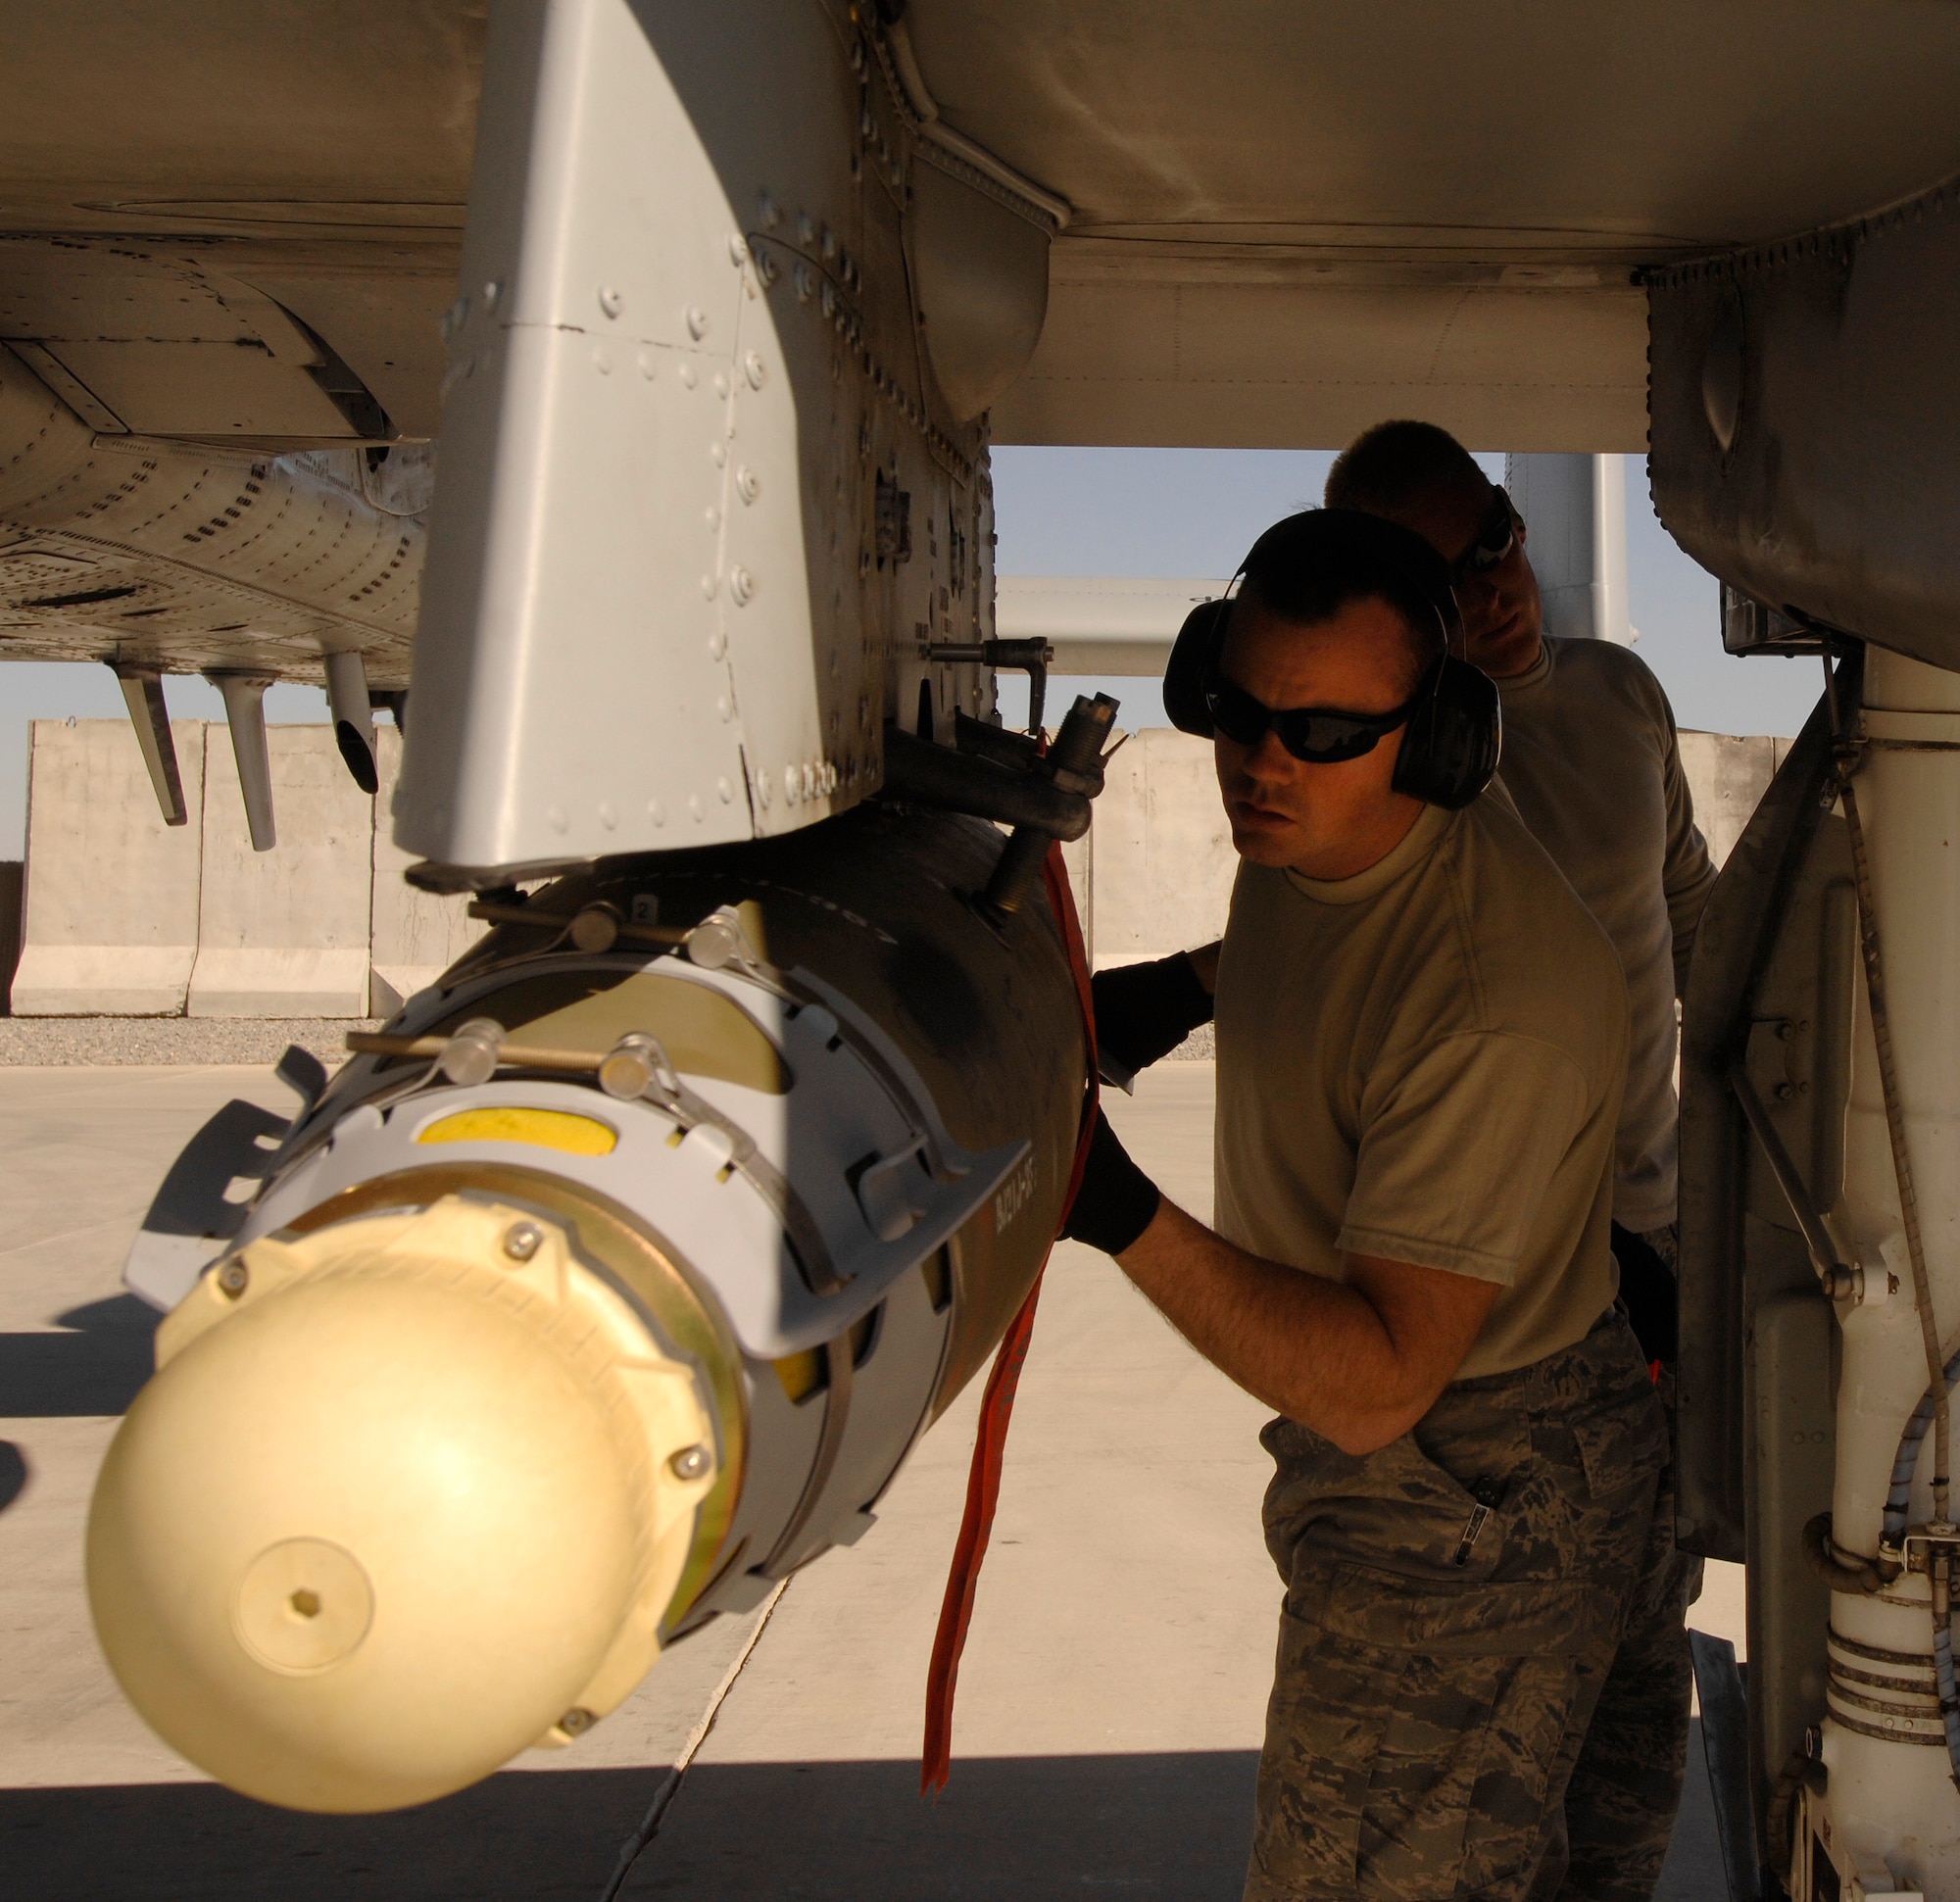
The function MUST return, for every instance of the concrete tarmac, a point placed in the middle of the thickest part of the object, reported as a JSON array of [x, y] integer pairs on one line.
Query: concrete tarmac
[[1110, 1702]]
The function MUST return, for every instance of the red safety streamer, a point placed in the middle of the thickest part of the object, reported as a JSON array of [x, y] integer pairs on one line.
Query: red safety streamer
[[996, 1408]]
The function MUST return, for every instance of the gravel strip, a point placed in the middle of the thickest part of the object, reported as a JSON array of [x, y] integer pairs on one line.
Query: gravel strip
[[172, 1040], [1200, 1047]]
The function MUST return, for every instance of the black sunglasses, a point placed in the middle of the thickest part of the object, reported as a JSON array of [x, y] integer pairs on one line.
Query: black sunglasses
[[1497, 536], [1321, 736]]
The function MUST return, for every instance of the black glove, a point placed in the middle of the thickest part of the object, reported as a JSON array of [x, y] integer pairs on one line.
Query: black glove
[[1145, 1011], [1649, 1294], [1115, 1201]]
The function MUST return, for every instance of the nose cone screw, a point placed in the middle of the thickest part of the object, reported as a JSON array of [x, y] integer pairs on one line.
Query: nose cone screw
[[690, 1463], [522, 1239]]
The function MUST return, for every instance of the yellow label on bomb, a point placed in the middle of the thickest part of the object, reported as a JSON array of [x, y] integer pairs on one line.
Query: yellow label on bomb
[[544, 1128]]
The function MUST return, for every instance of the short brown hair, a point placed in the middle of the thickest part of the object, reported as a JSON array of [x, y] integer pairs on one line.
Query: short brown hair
[[1385, 469]]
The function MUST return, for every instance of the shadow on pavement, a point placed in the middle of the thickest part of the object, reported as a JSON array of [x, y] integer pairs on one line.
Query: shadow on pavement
[[13, 1473], [95, 1366], [1034, 1828]]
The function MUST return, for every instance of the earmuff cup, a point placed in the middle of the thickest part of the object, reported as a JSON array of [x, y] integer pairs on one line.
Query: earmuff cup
[[1453, 739], [1451, 745], [1192, 655]]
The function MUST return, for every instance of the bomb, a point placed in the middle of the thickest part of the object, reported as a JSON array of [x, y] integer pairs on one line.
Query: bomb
[[608, 1285]]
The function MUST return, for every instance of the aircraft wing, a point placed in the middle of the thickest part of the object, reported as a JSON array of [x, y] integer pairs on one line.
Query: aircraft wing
[[229, 237]]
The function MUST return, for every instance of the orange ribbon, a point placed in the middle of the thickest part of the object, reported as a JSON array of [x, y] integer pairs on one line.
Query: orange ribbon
[[996, 1406]]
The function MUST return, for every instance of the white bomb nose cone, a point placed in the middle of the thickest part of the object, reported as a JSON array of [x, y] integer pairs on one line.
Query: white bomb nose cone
[[403, 1498]]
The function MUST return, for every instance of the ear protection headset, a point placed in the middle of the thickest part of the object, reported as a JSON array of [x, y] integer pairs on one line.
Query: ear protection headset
[[1453, 736]]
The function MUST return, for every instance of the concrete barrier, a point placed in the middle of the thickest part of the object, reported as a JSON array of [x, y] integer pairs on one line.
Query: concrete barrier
[[1163, 863], [416, 935], [285, 933], [111, 924], [1155, 874], [1728, 774], [125, 916]]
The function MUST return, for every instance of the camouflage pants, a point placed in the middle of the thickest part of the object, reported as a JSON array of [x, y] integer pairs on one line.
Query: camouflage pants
[[1482, 1686]]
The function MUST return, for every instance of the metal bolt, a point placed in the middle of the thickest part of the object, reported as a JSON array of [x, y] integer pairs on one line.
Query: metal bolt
[[697, 323], [738, 249], [576, 1721], [741, 585], [748, 484], [754, 370], [470, 1057], [611, 301], [595, 928], [625, 1071], [718, 645], [234, 1278], [690, 1463], [522, 1239], [766, 212], [1813, 1740], [725, 790], [717, 940], [493, 295]]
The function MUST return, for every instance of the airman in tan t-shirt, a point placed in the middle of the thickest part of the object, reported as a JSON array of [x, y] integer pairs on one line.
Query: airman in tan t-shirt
[[1424, 1063], [1422, 1042]]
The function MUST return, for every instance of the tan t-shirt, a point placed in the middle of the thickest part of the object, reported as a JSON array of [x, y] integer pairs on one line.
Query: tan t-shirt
[[1424, 1063], [1591, 759]]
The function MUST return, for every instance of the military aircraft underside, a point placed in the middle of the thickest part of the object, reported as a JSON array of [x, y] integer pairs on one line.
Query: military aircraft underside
[[617, 382]]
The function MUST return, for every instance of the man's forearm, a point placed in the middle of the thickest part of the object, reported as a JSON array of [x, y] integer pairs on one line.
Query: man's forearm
[[1360, 1371]]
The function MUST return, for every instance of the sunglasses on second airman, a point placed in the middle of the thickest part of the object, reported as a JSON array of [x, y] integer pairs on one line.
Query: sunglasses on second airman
[[1497, 536], [1320, 736]]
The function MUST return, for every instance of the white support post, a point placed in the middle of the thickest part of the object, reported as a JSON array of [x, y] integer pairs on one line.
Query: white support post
[[1889, 1807], [143, 695], [245, 713], [1575, 511], [353, 717]]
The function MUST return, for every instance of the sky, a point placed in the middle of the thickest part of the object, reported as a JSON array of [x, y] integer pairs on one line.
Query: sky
[[1110, 512], [1195, 513]]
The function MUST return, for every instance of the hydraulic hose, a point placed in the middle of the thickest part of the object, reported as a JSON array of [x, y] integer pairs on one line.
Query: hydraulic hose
[[1906, 1462], [1850, 1572]]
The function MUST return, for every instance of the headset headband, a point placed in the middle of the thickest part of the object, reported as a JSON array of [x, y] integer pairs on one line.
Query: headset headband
[[1451, 747]]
